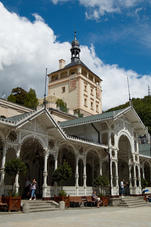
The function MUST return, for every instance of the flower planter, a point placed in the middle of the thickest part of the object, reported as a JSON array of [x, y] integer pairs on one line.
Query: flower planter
[[105, 200], [13, 202]]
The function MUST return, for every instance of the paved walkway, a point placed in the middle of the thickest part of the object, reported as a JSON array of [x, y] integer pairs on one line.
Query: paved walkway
[[92, 217]]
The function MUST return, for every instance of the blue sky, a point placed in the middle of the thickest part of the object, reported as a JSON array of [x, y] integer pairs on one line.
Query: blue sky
[[115, 37]]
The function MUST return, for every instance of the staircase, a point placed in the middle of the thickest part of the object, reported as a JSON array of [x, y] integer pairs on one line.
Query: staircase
[[133, 201], [39, 205]]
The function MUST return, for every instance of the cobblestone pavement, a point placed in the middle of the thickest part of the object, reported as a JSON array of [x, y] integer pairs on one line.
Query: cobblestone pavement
[[92, 217]]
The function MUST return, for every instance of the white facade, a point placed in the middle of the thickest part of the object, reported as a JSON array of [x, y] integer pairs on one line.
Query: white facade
[[105, 144]]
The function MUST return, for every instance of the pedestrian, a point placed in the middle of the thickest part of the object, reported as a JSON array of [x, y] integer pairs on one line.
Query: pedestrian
[[33, 189], [122, 187]]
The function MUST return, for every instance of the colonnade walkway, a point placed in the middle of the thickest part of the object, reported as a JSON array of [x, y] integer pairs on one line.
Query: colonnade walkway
[[93, 217]]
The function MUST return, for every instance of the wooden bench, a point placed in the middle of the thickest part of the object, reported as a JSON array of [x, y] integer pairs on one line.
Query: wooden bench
[[3, 205], [75, 201], [90, 201]]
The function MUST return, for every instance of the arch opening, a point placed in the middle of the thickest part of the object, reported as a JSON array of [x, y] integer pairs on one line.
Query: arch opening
[[32, 153], [124, 157]]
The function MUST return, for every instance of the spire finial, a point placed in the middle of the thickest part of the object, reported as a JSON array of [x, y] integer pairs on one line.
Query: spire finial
[[75, 35]]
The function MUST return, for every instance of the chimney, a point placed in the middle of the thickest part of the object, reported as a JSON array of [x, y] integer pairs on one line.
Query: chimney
[[61, 63]]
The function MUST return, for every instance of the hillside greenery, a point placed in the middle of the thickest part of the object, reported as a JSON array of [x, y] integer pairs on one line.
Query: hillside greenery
[[26, 98], [142, 107]]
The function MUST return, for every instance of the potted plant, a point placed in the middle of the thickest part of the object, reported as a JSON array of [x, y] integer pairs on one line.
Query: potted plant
[[12, 168], [60, 175], [102, 183]]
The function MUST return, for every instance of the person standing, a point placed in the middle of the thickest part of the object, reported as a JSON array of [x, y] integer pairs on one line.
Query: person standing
[[122, 187], [33, 189]]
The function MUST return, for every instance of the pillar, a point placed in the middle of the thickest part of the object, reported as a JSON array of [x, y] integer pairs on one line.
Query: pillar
[[77, 173], [130, 176], [135, 184], [16, 184], [56, 161], [2, 170], [101, 167], [45, 174], [143, 172], [116, 174], [84, 174], [139, 176], [77, 177]]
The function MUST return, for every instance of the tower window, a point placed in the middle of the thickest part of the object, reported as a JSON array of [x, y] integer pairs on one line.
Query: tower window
[[97, 108], [85, 87], [63, 89], [91, 91], [91, 105], [85, 102]]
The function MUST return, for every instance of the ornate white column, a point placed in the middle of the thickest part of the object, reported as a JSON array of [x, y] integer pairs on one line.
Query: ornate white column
[[56, 161], [2, 170], [116, 175], [139, 176], [130, 176], [100, 167], [45, 174], [84, 175], [77, 176], [16, 184], [143, 172], [135, 184], [111, 174]]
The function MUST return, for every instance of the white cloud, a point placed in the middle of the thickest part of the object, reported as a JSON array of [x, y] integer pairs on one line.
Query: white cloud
[[28, 48], [97, 8], [58, 1]]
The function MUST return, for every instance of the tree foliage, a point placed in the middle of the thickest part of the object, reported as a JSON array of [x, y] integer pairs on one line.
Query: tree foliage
[[20, 96], [62, 173], [142, 107], [13, 167], [62, 105], [31, 100], [101, 181]]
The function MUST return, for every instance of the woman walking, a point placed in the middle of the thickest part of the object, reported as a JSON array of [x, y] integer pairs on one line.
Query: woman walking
[[33, 189]]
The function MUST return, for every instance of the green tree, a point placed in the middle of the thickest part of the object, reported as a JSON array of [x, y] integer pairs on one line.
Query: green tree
[[62, 173], [20, 96], [62, 105], [31, 100], [142, 107], [13, 167], [102, 182], [17, 95]]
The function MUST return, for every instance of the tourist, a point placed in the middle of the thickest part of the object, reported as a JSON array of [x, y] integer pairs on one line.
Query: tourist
[[33, 189], [122, 187], [96, 199]]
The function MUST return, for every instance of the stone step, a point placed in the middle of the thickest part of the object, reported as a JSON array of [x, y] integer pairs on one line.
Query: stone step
[[38, 209], [39, 205], [132, 202]]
